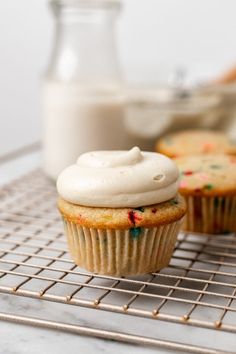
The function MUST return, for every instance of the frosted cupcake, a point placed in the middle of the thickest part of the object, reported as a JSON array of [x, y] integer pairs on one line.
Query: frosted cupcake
[[208, 183], [193, 142], [121, 211]]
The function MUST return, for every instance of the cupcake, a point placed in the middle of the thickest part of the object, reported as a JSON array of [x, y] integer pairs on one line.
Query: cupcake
[[208, 184], [121, 211], [192, 142]]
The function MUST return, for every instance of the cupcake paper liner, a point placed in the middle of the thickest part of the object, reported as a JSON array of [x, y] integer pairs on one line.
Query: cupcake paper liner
[[211, 215], [121, 252]]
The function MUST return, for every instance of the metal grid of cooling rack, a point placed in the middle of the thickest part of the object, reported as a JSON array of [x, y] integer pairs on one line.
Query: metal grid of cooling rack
[[34, 262]]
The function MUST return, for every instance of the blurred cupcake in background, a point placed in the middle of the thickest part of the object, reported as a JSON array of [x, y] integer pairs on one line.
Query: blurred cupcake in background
[[188, 142], [208, 184]]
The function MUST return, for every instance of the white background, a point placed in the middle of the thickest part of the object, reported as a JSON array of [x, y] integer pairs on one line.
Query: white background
[[154, 37]]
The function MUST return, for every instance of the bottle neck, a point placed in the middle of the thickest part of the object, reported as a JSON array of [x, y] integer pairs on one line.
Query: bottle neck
[[85, 48]]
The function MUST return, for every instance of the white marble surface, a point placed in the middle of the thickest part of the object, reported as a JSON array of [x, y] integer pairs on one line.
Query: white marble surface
[[21, 339], [34, 340]]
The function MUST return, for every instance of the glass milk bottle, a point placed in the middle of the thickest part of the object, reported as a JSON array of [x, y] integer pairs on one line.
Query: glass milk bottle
[[83, 105]]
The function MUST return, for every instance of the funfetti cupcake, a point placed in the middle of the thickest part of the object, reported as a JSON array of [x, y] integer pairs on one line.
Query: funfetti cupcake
[[121, 211], [192, 142], [208, 184]]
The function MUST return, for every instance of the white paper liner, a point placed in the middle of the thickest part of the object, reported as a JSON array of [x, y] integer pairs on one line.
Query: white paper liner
[[118, 252], [211, 215]]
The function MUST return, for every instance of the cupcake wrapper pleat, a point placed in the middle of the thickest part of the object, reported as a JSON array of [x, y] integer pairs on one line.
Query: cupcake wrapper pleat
[[210, 214], [121, 252]]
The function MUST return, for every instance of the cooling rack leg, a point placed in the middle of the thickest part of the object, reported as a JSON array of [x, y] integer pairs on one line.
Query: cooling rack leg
[[111, 335]]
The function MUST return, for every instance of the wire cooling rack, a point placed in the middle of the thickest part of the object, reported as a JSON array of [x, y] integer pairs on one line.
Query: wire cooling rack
[[198, 288]]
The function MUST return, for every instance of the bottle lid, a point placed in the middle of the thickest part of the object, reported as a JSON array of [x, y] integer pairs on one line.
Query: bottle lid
[[86, 3]]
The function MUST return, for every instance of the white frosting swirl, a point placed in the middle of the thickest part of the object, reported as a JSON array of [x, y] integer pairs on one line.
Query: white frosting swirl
[[119, 179]]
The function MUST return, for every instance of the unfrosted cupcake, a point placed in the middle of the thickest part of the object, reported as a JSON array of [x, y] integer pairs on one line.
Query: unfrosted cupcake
[[208, 183], [121, 211], [192, 142]]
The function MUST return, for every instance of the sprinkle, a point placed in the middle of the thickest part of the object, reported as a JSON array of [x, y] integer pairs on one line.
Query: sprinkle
[[183, 184], [208, 186], [137, 217], [174, 202], [106, 217], [135, 232], [203, 176], [187, 173], [215, 167], [207, 147], [133, 217], [154, 210], [233, 160], [140, 209], [197, 190]]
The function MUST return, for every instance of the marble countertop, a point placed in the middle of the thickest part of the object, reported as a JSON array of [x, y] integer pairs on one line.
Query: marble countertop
[[21, 339]]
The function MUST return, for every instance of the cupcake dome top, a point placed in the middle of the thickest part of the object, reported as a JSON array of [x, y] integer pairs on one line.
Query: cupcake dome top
[[207, 175], [195, 142], [119, 179]]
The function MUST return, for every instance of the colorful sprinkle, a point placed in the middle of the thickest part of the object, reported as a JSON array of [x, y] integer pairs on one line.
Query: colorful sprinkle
[[233, 160], [183, 184], [215, 167], [188, 173], [174, 202], [106, 217], [197, 190], [208, 186], [154, 210], [133, 217], [207, 147], [203, 176], [135, 232], [140, 209]]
